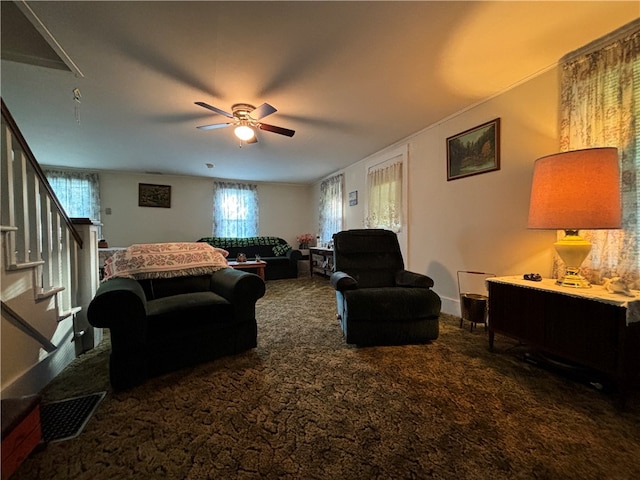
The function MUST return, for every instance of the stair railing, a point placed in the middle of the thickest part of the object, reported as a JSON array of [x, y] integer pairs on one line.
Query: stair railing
[[38, 232]]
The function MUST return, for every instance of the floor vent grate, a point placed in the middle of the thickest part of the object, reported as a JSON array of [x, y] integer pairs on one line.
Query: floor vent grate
[[65, 419]]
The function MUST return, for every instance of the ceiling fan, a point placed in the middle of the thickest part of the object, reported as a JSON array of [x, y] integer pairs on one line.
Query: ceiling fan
[[245, 119]]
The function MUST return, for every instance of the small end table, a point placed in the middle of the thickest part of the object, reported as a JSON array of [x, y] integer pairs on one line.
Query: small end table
[[250, 265]]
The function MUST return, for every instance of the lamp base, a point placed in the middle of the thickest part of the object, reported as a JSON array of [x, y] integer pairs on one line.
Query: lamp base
[[573, 249], [573, 279]]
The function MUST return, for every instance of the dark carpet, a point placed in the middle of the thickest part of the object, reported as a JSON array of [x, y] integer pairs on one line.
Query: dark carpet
[[304, 405]]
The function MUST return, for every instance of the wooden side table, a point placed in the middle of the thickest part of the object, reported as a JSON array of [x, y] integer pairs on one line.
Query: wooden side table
[[589, 327], [320, 261], [250, 265]]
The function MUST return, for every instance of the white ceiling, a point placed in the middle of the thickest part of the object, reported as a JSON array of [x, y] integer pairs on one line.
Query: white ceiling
[[349, 77]]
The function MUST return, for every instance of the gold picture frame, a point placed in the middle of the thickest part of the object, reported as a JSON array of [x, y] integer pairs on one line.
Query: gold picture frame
[[474, 151], [150, 195]]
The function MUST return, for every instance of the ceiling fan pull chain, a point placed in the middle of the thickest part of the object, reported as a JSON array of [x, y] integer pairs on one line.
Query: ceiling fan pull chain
[[77, 96]]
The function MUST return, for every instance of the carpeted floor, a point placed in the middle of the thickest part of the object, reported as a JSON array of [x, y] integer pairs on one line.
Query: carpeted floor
[[304, 405]]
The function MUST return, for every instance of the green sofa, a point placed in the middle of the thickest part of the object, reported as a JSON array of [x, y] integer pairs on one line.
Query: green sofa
[[281, 258]]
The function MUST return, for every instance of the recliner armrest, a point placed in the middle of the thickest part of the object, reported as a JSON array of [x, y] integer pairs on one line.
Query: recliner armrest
[[404, 278], [342, 281]]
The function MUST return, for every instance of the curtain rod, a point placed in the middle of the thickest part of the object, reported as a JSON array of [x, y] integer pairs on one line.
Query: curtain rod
[[624, 31]]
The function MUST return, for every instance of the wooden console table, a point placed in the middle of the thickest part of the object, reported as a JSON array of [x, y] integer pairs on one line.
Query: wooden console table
[[588, 327]]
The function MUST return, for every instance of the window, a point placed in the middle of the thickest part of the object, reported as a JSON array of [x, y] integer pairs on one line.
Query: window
[[599, 107], [384, 196], [330, 208], [235, 210], [78, 192]]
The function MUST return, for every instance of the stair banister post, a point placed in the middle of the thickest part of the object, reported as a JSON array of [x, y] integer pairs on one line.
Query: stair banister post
[[88, 282]]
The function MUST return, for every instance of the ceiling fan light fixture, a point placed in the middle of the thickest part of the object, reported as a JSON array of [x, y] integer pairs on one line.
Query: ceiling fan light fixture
[[244, 132], [245, 121]]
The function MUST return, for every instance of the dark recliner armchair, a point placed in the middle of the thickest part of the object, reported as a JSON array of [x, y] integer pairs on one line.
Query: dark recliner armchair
[[379, 302]]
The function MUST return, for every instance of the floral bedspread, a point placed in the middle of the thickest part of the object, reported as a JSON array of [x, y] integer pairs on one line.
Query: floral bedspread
[[165, 260]]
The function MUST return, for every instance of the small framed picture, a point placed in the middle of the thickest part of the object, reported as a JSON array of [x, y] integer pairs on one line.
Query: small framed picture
[[474, 151], [150, 195], [353, 198]]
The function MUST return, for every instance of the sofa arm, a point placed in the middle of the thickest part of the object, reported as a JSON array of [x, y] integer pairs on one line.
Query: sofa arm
[[342, 281], [237, 286], [405, 278], [294, 255], [119, 301]]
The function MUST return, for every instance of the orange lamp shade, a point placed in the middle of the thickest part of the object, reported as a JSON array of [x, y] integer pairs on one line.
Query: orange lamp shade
[[576, 190]]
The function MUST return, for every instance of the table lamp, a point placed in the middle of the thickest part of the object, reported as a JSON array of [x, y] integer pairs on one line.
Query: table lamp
[[571, 191]]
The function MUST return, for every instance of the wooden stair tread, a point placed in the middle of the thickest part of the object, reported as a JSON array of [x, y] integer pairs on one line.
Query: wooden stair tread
[[47, 292]]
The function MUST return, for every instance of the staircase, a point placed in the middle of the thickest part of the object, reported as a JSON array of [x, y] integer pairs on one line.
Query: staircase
[[48, 273]]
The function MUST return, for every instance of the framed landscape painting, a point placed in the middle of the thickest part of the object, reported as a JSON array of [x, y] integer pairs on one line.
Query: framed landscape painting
[[150, 195], [474, 151]]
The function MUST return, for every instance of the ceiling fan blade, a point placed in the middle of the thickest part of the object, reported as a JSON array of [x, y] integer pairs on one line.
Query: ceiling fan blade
[[214, 109], [274, 129], [214, 125], [262, 111]]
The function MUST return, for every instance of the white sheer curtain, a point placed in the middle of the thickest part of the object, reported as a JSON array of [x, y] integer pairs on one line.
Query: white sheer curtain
[[600, 107], [235, 210], [78, 192], [330, 215], [384, 194]]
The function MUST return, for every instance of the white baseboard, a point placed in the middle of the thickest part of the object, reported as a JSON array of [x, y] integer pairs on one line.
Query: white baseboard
[[39, 376], [451, 306]]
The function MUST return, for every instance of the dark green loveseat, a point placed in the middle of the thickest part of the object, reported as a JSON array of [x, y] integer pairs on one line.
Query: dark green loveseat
[[281, 258]]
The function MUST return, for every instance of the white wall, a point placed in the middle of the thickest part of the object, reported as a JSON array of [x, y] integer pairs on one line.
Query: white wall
[[475, 223], [283, 209]]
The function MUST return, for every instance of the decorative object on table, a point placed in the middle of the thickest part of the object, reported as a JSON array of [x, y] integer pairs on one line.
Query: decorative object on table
[[532, 277], [617, 285], [304, 240], [103, 243], [241, 258], [474, 151], [571, 191], [353, 198], [150, 195]]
